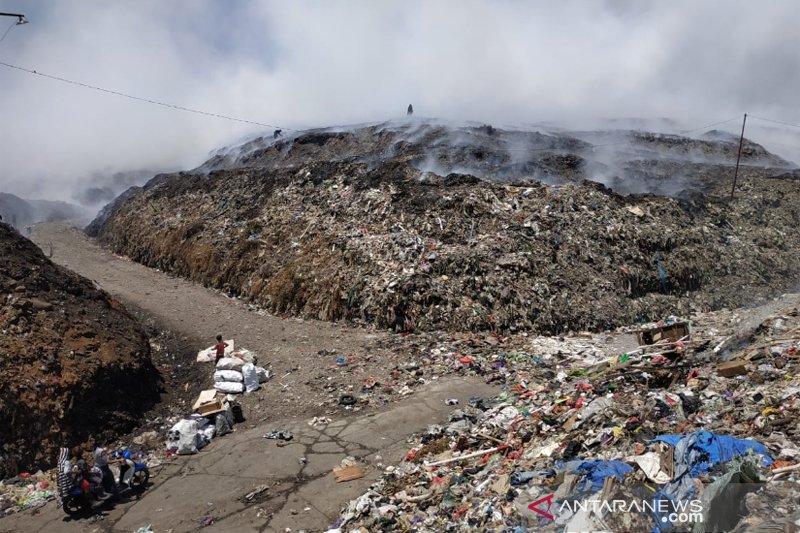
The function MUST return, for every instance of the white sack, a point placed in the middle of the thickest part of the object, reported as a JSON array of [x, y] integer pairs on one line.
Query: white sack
[[186, 433], [228, 375], [250, 377], [229, 387], [230, 363]]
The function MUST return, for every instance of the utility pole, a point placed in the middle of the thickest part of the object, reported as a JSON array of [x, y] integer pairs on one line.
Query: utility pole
[[738, 157]]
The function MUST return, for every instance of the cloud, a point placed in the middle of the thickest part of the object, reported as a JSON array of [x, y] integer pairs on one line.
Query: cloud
[[308, 64]]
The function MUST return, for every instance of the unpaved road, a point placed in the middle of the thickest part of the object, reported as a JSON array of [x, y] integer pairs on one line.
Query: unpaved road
[[302, 493], [289, 347]]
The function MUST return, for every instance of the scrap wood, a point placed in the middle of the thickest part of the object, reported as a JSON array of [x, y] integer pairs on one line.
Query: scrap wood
[[488, 437], [347, 473], [468, 456], [778, 472]]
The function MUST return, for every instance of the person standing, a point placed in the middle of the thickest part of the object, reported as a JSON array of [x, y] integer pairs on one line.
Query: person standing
[[219, 349]]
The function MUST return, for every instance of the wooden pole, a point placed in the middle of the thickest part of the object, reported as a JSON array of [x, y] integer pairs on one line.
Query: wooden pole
[[738, 157]]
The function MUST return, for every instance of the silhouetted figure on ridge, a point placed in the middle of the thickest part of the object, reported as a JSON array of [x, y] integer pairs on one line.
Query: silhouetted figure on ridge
[[410, 110], [277, 133]]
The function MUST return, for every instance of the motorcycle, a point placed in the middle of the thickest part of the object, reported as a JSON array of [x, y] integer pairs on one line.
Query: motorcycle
[[137, 480], [78, 496]]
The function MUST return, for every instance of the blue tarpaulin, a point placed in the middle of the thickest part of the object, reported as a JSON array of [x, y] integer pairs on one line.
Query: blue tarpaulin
[[698, 452], [597, 472]]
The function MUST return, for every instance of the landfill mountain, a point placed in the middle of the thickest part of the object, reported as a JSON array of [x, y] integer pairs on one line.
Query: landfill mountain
[[473, 227], [20, 212], [74, 365]]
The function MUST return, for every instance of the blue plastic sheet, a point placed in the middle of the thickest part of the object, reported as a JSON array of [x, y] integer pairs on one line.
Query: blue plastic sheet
[[697, 453], [596, 473], [700, 451]]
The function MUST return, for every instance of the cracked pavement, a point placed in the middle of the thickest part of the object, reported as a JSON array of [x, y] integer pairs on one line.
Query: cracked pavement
[[300, 495]]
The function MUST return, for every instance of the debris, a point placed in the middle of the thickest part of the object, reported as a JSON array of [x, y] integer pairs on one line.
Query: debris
[[577, 422], [347, 473], [250, 496], [732, 369], [281, 434]]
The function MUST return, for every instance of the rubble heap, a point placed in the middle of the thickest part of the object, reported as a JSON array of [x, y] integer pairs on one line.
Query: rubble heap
[[74, 363], [348, 240], [708, 420]]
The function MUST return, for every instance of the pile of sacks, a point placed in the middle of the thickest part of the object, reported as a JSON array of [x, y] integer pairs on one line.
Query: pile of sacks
[[236, 372], [235, 375]]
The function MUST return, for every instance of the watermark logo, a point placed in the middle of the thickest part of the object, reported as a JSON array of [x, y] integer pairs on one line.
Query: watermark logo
[[668, 512], [546, 513]]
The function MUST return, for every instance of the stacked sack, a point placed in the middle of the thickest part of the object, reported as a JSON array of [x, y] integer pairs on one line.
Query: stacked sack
[[234, 376]]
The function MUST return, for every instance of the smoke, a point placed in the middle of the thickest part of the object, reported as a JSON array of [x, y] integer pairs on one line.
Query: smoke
[[312, 63]]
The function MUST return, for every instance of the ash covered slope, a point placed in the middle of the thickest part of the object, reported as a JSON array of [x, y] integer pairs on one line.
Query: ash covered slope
[[74, 363], [325, 228], [627, 161]]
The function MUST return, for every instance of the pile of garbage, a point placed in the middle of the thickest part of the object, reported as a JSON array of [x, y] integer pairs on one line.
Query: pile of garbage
[[26, 491], [695, 431], [336, 240]]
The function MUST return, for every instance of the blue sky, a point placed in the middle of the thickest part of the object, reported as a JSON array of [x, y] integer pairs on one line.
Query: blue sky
[[307, 64]]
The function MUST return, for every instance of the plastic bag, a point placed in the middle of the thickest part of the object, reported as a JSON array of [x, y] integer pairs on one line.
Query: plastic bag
[[250, 377], [184, 434], [221, 424], [263, 374]]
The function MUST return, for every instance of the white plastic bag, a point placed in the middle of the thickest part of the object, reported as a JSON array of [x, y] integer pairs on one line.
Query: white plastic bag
[[230, 363], [209, 432], [228, 375], [229, 387], [250, 377], [186, 433], [263, 374]]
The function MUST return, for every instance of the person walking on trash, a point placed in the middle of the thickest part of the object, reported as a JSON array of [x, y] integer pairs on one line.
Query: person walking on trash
[[220, 349], [400, 321]]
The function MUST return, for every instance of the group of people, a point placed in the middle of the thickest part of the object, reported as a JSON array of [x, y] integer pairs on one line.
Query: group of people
[[98, 479]]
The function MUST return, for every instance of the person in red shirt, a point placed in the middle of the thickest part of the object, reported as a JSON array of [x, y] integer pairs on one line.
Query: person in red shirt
[[220, 349]]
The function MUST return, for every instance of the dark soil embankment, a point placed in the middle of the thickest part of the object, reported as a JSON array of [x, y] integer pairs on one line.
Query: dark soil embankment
[[74, 364]]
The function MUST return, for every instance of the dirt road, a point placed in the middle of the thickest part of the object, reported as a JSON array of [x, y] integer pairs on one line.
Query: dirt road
[[301, 354], [188, 492]]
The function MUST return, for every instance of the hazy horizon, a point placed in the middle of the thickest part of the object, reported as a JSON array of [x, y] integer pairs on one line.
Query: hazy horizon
[[316, 64]]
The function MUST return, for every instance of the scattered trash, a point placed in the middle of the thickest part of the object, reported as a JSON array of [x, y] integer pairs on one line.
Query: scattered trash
[[250, 496], [347, 473], [279, 434], [347, 399], [581, 420]]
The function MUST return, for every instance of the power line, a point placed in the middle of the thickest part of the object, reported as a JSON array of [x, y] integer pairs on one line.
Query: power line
[[776, 121], [141, 99], [7, 30], [710, 125]]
